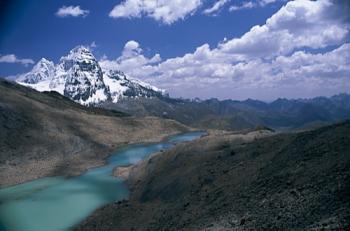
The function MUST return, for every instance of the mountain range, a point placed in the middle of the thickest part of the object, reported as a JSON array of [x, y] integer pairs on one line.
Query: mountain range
[[80, 77], [281, 114]]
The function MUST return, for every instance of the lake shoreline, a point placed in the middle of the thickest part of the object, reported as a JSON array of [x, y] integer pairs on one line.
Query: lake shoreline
[[71, 167], [37, 204]]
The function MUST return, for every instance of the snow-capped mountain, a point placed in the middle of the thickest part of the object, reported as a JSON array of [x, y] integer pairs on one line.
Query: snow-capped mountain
[[42, 71], [80, 77]]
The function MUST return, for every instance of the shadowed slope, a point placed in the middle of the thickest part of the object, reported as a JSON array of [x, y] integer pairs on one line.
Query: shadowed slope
[[238, 182]]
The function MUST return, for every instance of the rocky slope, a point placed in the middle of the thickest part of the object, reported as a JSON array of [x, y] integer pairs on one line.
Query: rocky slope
[[79, 77], [44, 134], [237, 182]]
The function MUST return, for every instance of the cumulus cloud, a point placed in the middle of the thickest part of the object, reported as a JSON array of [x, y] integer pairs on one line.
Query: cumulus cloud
[[271, 60], [208, 73], [298, 24], [71, 11], [132, 61], [216, 7], [11, 58], [165, 11]]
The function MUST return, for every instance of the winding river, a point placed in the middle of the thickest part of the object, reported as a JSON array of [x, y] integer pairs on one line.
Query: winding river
[[58, 203]]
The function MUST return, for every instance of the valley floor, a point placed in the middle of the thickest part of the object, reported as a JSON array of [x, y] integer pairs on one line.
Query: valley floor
[[225, 181]]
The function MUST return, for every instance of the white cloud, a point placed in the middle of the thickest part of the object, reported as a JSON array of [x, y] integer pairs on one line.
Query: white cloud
[[208, 73], [245, 5], [253, 4], [132, 61], [266, 2], [268, 61], [131, 48], [165, 11], [11, 58], [71, 11], [93, 44], [298, 24], [216, 7]]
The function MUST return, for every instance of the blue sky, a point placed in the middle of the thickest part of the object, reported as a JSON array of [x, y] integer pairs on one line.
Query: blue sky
[[33, 30], [127, 38]]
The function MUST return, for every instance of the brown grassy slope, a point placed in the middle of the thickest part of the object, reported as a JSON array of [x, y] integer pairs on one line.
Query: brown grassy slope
[[44, 134], [223, 182]]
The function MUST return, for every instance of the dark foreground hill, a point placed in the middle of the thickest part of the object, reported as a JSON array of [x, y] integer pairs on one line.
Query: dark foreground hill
[[224, 181], [44, 134], [238, 115]]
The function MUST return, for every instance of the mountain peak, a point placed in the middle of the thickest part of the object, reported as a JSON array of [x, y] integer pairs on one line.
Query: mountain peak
[[81, 51], [42, 70], [43, 60], [79, 54], [80, 48], [44, 64], [80, 77]]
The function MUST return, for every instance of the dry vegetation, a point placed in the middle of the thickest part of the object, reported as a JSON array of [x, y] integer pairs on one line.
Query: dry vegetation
[[45, 134]]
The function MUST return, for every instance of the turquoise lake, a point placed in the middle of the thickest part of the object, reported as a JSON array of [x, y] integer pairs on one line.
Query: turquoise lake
[[58, 204]]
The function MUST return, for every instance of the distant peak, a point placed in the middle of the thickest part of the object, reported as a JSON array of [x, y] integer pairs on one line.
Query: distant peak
[[43, 63]]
